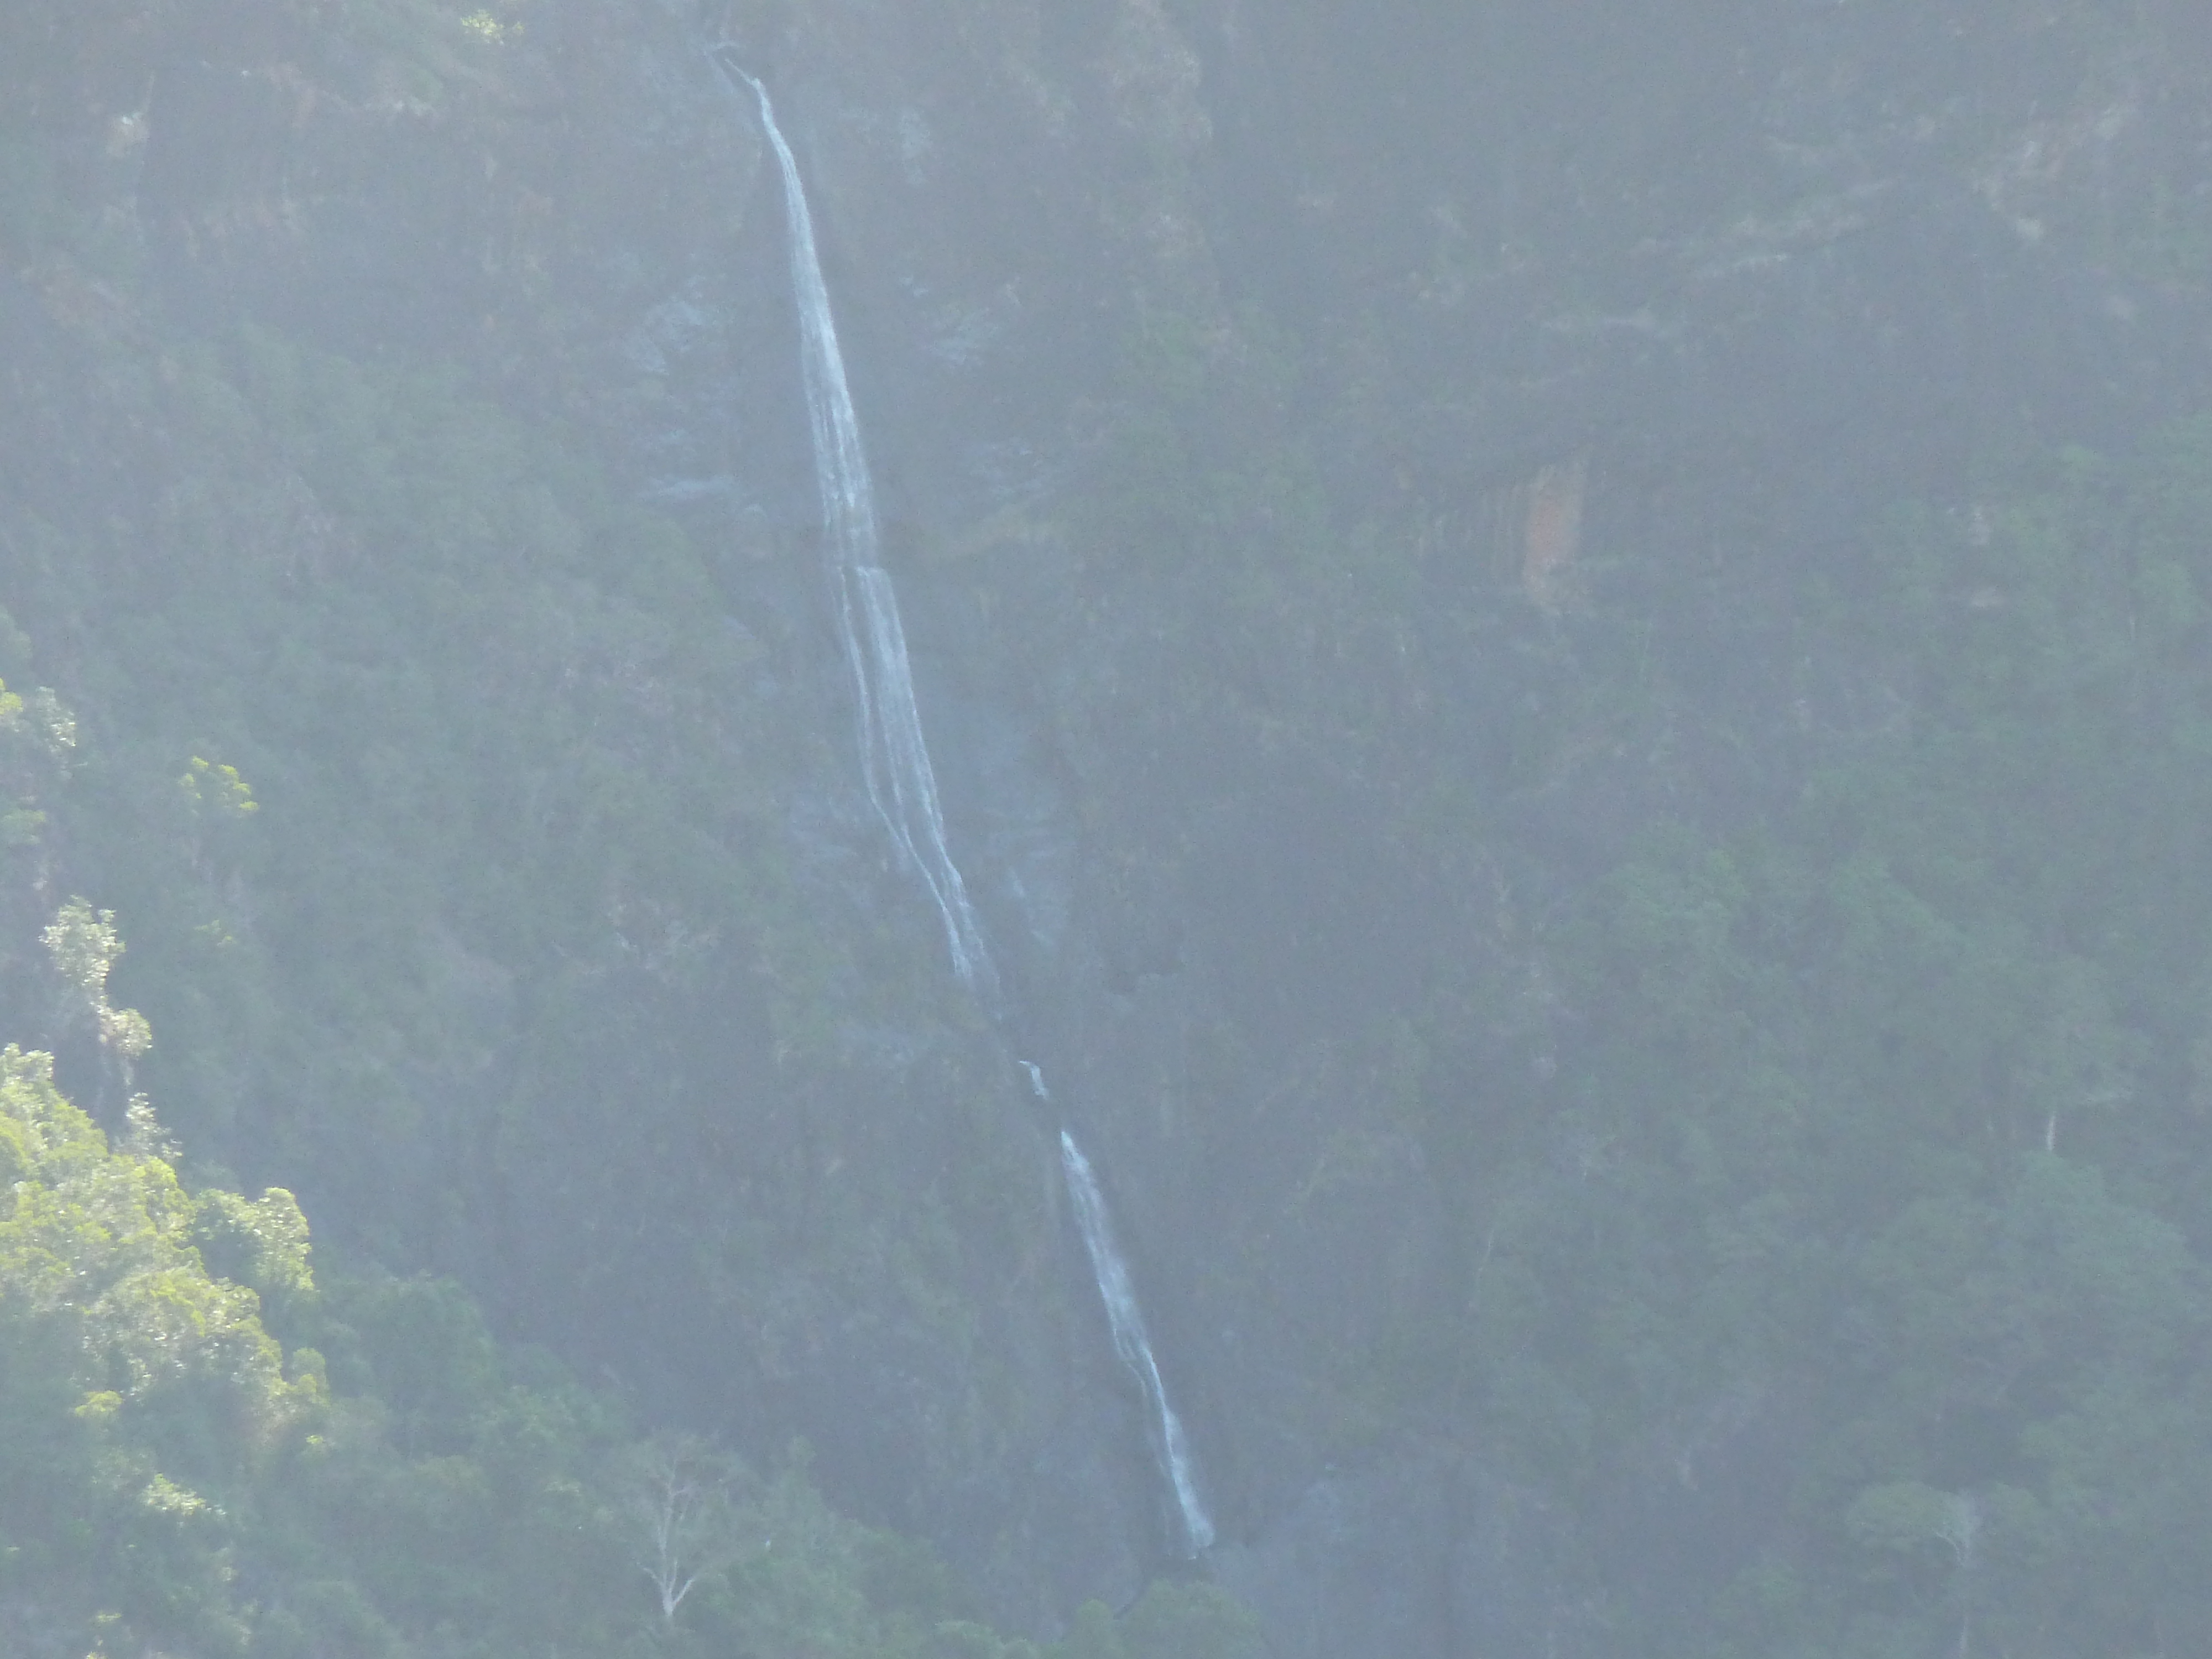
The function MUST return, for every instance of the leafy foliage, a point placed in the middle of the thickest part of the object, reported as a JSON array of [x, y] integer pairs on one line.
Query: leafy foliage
[[1885, 1100], [171, 1476], [1759, 991]]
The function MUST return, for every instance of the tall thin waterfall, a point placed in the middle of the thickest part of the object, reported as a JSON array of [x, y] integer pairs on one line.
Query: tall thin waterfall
[[1127, 1321], [895, 764], [894, 760]]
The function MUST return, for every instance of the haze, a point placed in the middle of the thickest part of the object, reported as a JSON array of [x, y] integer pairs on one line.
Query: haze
[[1105, 829]]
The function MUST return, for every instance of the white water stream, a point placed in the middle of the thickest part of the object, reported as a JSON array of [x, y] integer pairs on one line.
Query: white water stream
[[1127, 1321], [895, 765], [894, 760]]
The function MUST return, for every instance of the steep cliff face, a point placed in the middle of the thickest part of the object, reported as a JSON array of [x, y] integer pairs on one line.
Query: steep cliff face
[[240, 452], [1289, 420]]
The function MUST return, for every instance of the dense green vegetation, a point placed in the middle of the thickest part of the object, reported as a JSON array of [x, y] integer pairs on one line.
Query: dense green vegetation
[[385, 1481], [1721, 1044], [1888, 1101], [1869, 1110], [348, 633]]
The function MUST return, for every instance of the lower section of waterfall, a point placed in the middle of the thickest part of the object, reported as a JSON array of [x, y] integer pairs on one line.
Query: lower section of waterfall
[[1127, 1321], [895, 763]]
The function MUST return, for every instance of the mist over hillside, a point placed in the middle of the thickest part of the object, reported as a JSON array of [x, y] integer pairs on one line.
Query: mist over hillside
[[1150, 827]]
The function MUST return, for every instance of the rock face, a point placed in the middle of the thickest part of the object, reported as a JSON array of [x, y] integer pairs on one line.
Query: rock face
[[1418, 1557], [1568, 311]]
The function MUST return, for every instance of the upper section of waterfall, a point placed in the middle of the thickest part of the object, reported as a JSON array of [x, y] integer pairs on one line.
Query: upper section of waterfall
[[894, 757]]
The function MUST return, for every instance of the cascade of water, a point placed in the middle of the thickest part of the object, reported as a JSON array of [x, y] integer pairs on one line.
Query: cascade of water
[[894, 760], [1126, 1321], [895, 765]]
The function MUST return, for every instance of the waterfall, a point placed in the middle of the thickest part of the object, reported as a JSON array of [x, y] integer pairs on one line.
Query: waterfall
[[1126, 1321], [895, 766], [894, 760]]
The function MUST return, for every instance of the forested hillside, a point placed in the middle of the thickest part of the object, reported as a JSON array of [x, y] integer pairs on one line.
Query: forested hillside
[[1568, 651]]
